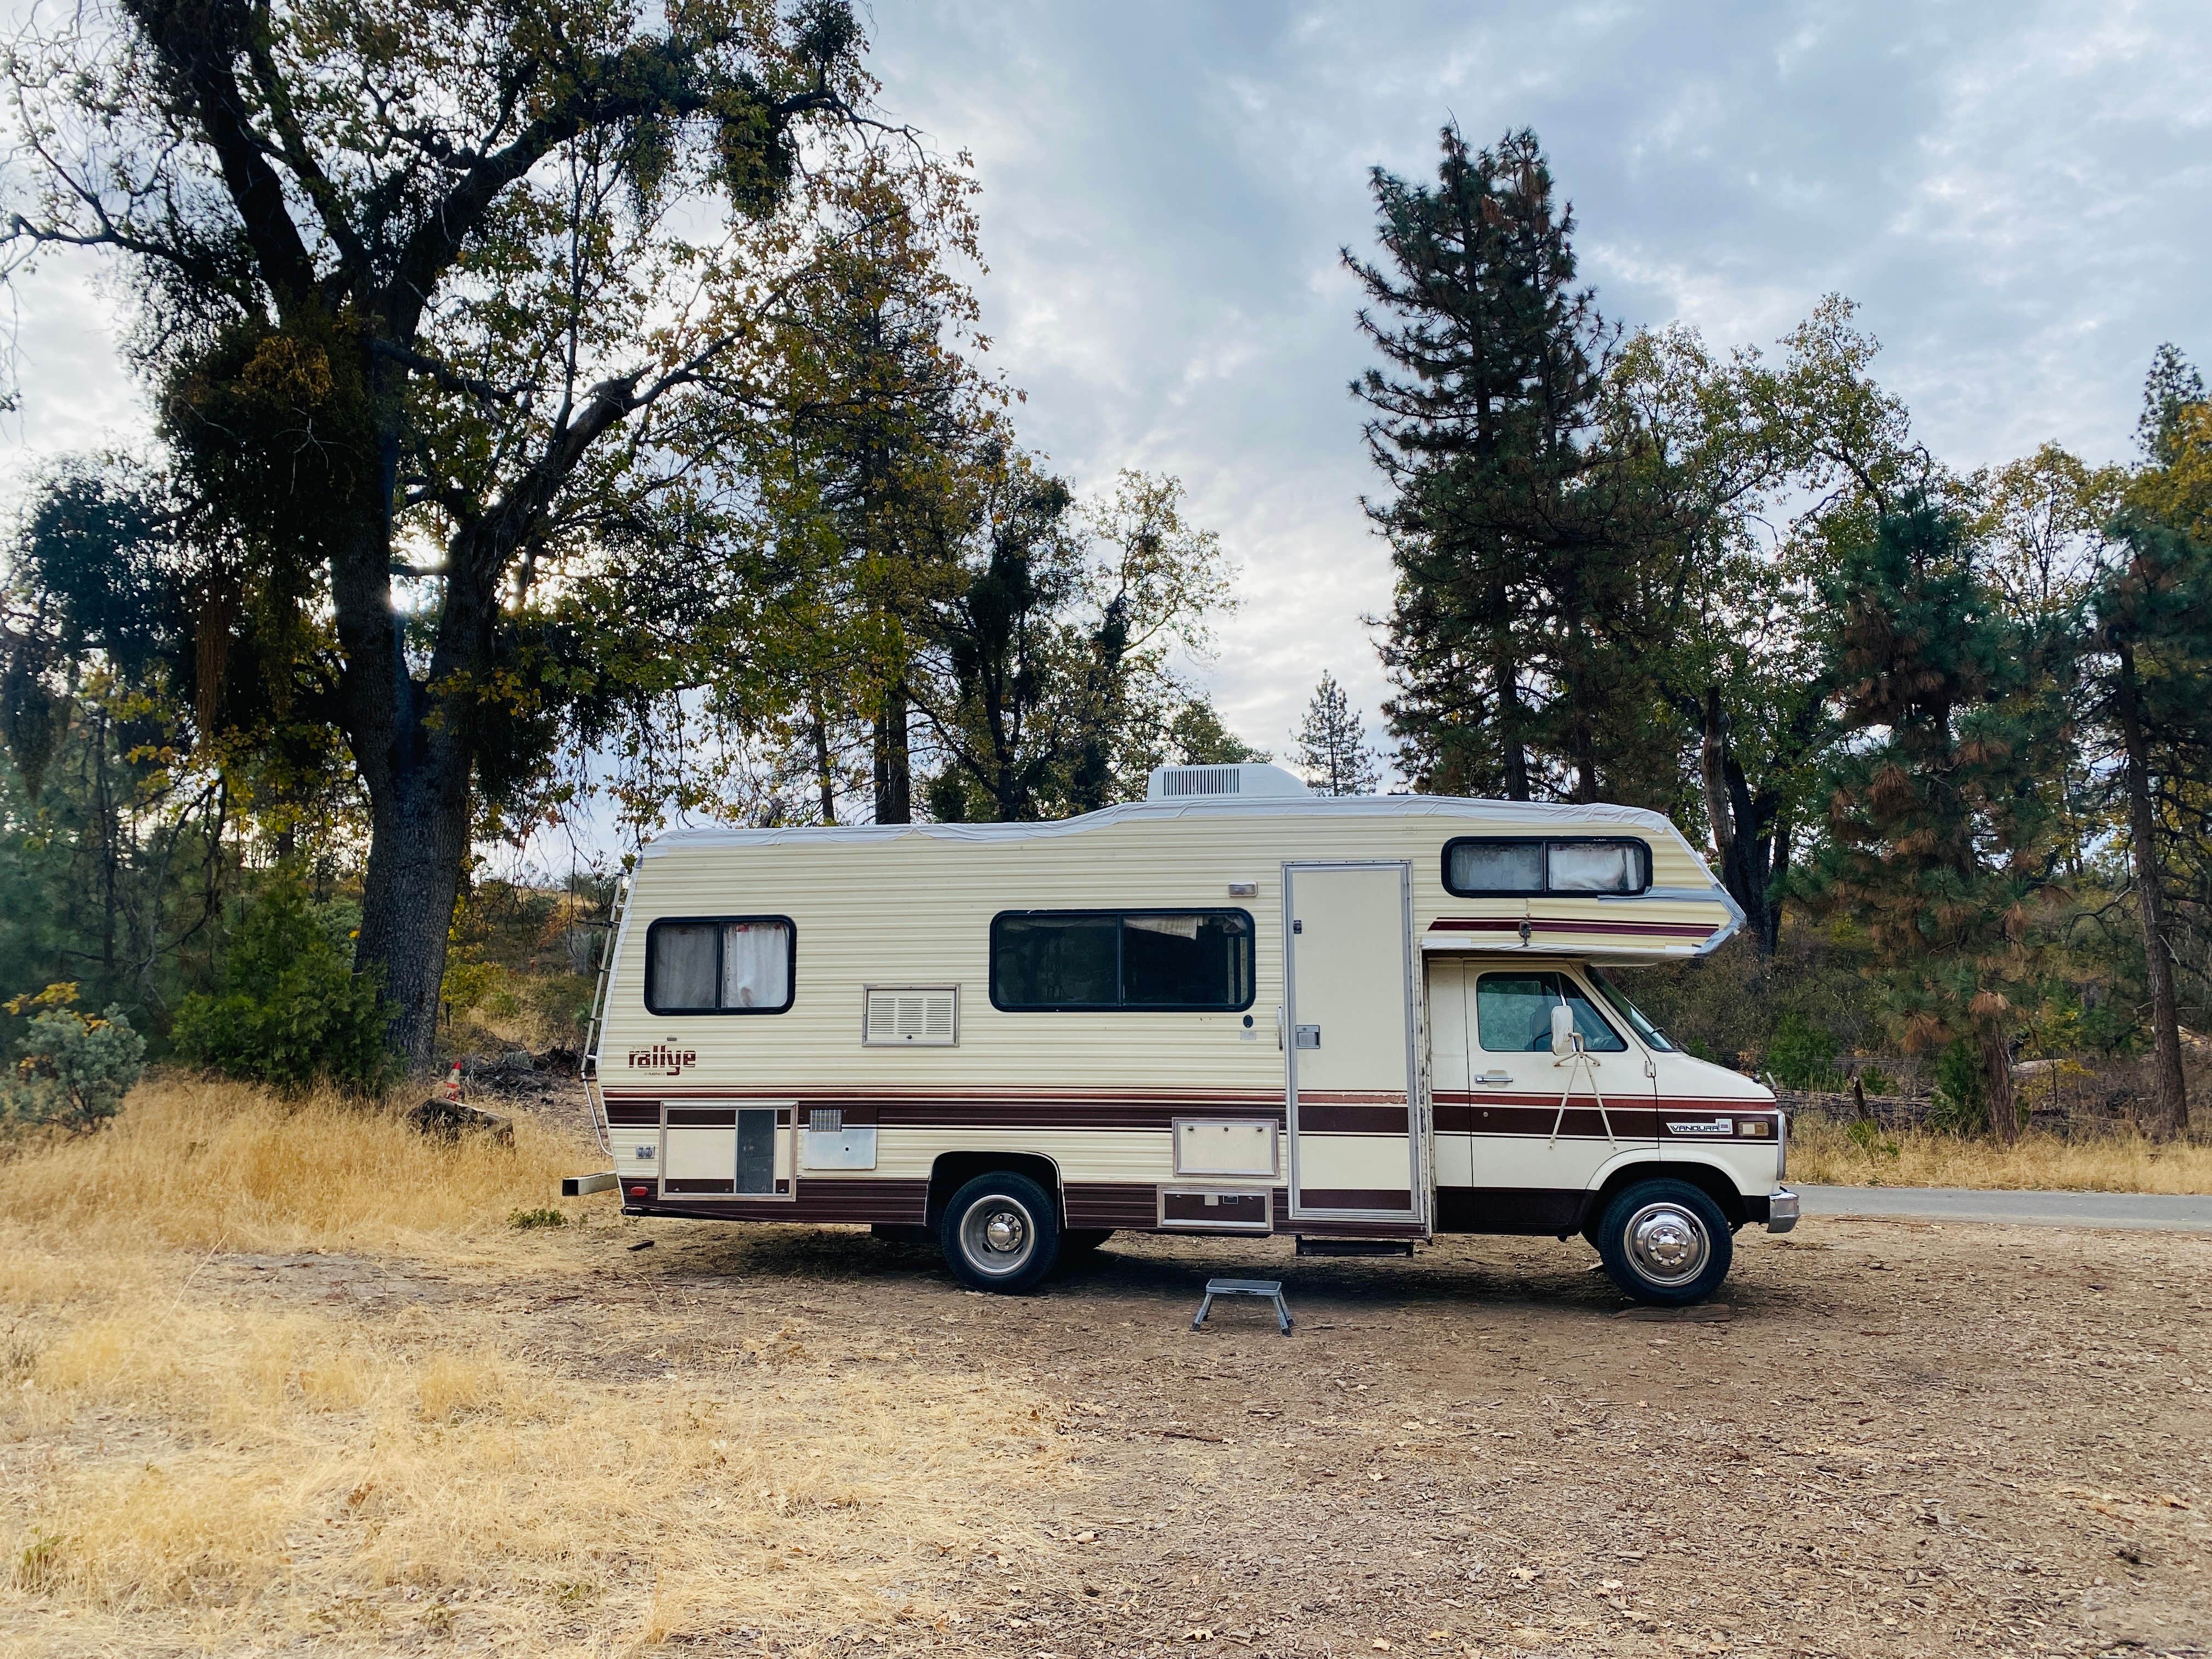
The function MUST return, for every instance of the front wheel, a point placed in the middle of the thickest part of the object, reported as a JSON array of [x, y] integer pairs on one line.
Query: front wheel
[[1000, 1232], [1665, 1241]]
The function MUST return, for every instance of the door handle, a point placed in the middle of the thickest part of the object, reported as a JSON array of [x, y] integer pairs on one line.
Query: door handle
[[1493, 1077], [1306, 1036]]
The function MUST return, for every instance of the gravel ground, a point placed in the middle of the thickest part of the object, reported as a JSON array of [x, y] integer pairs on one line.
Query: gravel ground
[[1900, 1438]]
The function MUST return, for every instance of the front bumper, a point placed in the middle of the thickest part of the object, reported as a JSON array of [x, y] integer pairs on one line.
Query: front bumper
[[1781, 1210]]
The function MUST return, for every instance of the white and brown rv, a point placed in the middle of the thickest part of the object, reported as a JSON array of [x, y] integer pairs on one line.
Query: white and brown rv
[[1233, 1008]]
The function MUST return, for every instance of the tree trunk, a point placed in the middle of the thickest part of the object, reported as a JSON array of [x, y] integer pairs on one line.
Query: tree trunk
[[418, 841], [894, 760], [1996, 1067], [1513, 757], [825, 780], [2170, 1105]]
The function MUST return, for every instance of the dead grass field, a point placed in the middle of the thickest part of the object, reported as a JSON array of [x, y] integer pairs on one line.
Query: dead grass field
[[192, 1463], [250, 1409], [1821, 1152]]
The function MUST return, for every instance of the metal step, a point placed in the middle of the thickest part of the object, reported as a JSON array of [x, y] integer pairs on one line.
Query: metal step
[[1354, 1246]]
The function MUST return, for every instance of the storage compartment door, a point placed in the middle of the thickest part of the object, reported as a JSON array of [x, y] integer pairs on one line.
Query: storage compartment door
[[1354, 1153]]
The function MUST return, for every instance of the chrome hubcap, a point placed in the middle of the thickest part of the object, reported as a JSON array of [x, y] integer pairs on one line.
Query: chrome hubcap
[[1669, 1244], [997, 1236]]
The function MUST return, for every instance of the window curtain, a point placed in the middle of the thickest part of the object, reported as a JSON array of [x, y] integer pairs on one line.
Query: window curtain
[[756, 964], [683, 967]]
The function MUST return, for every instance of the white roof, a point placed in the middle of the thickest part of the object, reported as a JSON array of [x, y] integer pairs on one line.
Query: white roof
[[1534, 816]]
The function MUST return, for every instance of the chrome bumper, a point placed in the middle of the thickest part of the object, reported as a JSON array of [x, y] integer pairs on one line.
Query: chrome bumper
[[1781, 1210]]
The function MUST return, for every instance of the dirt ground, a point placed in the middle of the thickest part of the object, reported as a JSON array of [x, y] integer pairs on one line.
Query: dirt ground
[[1898, 1437]]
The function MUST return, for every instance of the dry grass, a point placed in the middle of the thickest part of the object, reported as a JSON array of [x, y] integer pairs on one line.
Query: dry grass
[[208, 1165], [1821, 1152], [186, 1465]]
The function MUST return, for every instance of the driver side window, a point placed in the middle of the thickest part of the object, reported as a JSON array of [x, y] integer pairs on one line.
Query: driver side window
[[1513, 1013]]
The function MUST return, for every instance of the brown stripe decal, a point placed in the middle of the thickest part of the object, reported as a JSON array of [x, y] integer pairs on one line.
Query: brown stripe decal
[[1322, 1119], [1549, 925], [1117, 1204], [1357, 1198], [900, 1203], [640, 1114]]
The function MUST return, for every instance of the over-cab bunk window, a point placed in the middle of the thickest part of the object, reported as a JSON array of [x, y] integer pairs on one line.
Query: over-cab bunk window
[[719, 964], [1160, 960], [1502, 867]]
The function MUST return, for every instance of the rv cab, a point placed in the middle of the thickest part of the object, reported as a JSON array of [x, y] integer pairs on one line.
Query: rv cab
[[1231, 1008]]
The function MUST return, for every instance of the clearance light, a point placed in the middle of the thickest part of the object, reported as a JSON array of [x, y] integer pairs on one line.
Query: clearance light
[[639, 1191], [1756, 1131]]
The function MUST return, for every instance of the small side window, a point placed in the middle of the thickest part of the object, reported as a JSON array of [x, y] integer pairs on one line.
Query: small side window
[[1513, 1013], [719, 965], [1499, 866]]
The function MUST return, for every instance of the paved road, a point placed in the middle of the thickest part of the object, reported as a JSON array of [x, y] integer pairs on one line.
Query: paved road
[[2137, 1212]]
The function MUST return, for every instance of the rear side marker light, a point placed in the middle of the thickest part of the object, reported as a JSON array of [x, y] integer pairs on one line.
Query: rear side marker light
[[639, 1191], [1756, 1131]]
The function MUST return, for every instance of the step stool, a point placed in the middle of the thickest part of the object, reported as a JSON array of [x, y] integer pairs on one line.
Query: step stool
[[1270, 1289]]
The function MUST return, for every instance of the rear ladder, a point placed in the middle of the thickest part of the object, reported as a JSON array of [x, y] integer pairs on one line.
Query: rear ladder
[[588, 1066]]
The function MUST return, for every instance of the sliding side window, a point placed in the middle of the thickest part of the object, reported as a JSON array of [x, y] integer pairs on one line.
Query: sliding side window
[[1058, 960], [719, 965], [1502, 867]]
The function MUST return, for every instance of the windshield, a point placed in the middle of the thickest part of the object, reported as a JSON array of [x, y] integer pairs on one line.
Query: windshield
[[1652, 1035]]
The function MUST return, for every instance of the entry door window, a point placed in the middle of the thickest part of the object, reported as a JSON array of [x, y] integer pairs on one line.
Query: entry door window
[[1513, 1013], [757, 1149]]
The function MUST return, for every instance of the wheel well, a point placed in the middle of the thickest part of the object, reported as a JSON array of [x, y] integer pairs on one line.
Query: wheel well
[[1716, 1186], [954, 1170]]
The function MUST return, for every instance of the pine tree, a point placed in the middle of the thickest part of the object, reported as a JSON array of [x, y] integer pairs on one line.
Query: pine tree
[[2148, 662], [1484, 415], [1332, 750], [1940, 839]]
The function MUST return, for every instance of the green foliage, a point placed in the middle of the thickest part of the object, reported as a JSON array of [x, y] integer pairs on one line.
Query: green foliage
[[1958, 1103], [73, 1069], [292, 1012], [1802, 1055], [530, 1220]]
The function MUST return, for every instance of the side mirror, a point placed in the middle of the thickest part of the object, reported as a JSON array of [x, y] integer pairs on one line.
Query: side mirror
[[1563, 1032]]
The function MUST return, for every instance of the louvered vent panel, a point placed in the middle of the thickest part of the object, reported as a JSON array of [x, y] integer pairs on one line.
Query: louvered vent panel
[[1180, 780], [914, 1017]]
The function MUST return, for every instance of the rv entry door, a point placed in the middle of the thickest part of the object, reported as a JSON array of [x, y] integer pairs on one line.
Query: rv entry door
[[1355, 1149]]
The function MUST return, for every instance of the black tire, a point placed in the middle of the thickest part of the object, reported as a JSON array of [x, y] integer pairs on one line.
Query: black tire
[[1081, 1241], [1665, 1241], [994, 1207]]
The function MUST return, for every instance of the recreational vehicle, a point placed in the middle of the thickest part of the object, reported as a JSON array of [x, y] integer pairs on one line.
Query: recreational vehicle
[[1233, 1008]]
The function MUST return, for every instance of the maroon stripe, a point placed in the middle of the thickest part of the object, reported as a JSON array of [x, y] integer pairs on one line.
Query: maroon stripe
[[635, 1112], [1631, 929], [1351, 1120], [1358, 1198], [1126, 1205], [899, 1203], [1638, 1122]]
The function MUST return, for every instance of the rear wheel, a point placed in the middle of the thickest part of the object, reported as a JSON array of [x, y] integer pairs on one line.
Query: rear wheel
[[1000, 1232], [1665, 1241]]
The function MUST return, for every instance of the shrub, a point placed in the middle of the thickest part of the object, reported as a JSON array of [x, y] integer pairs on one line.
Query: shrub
[[73, 1070], [1802, 1055], [292, 1011], [1958, 1103], [528, 1220]]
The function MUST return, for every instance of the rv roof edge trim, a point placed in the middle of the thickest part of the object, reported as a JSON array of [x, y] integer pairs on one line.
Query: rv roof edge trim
[[1438, 807]]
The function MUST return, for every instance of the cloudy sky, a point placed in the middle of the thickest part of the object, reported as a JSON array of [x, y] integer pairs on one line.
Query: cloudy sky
[[2019, 195]]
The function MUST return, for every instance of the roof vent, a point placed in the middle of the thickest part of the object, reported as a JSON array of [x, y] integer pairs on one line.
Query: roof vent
[[1195, 782]]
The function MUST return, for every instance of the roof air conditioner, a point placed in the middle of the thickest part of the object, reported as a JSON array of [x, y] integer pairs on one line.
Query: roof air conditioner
[[1197, 783]]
